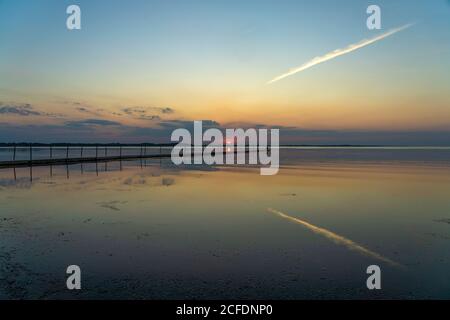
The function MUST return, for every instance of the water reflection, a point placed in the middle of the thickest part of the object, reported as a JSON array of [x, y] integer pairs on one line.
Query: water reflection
[[336, 238], [162, 231]]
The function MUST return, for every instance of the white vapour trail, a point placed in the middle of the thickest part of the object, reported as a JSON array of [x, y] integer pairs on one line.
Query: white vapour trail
[[339, 52], [337, 238]]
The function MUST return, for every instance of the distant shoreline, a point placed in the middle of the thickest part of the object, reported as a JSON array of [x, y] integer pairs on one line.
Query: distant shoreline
[[65, 144]]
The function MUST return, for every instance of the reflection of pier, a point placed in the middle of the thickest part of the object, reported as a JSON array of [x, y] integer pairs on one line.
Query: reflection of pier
[[69, 161]]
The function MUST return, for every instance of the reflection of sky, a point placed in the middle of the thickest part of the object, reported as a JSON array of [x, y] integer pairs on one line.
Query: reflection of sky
[[136, 71], [170, 229]]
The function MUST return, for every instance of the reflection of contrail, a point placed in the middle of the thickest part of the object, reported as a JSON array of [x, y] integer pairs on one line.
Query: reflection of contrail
[[337, 238], [338, 52]]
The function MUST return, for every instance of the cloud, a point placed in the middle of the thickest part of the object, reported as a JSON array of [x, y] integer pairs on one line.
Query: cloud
[[20, 110], [86, 110], [337, 53], [147, 113], [140, 113], [247, 125], [166, 110], [92, 122], [188, 124], [83, 109], [150, 117], [102, 130], [25, 110]]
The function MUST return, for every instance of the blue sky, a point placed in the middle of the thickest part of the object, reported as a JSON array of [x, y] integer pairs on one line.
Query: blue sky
[[211, 60]]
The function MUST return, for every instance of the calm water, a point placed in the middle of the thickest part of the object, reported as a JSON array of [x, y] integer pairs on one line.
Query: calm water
[[159, 231]]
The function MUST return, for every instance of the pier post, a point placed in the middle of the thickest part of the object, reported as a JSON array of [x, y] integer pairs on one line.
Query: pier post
[[81, 152], [14, 153], [31, 163], [51, 151], [145, 154], [120, 152], [67, 152], [140, 157], [96, 151]]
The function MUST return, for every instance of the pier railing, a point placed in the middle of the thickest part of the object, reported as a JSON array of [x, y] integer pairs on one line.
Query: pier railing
[[47, 155], [39, 155]]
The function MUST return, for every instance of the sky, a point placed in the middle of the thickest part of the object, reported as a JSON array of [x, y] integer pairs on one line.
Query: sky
[[139, 69]]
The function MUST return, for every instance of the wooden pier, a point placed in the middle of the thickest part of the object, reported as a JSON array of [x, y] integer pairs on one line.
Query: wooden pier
[[79, 158]]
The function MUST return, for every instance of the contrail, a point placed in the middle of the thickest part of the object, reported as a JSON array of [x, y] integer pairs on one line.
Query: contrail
[[337, 238], [339, 52]]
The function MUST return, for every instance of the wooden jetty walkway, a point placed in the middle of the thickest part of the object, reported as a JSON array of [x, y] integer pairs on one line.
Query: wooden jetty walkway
[[68, 160]]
